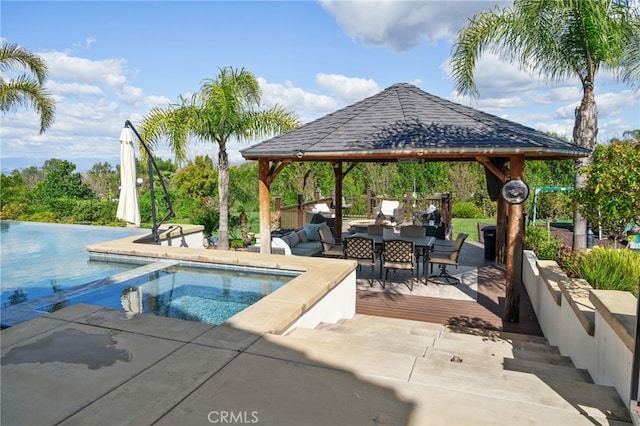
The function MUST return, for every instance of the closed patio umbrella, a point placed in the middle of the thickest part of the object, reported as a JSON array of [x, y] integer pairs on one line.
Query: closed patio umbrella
[[128, 207]]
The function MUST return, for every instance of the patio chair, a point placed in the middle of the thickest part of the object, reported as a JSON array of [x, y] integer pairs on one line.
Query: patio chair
[[331, 222], [329, 246], [362, 250], [398, 254], [392, 210], [416, 231], [323, 209], [450, 257]]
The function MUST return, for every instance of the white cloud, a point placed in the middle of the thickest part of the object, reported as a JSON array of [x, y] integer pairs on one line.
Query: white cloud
[[73, 89], [563, 128], [613, 104], [306, 104], [105, 72], [402, 25], [156, 101], [347, 89]]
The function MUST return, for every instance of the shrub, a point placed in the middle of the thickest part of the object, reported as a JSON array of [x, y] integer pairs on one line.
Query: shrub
[[467, 210], [94, 211], [44, 216], [610, 269], [568, 260], [542, 243], [14, 211]]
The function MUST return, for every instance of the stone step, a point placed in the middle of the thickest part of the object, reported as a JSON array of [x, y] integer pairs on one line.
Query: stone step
[[495, 340], [409, 344], [490, 365], [497, 334], [590, 399], [499, 351], [374, 332], [439, 406], [336, 354], [538, 362], [383, 323]]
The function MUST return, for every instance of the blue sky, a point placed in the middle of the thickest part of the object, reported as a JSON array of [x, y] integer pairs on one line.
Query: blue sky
[[115, 60]]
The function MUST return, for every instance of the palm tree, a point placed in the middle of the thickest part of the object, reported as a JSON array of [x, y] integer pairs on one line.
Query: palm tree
[[224, 108], [25, 90], [559, 39]]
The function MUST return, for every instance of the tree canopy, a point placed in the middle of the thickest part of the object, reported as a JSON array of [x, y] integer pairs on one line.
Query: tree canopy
[[558, 39], [224, 108]]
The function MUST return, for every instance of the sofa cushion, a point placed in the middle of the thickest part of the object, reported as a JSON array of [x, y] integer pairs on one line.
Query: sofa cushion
[[311, 229], [310, 248], [293, 239], [302, 236], [285, 238]]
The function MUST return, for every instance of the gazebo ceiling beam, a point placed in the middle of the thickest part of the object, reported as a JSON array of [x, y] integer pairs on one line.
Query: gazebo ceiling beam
[[275, 169], [485, 161]]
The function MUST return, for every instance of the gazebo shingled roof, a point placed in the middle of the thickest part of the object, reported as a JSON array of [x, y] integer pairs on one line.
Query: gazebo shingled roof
[[403, 121]]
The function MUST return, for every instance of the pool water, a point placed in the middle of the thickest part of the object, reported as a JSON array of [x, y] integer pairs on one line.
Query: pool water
[[39, 259], [195, 294], [46, 267]]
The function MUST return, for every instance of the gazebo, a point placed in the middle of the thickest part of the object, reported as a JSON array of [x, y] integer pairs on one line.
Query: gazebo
[[404, 123]]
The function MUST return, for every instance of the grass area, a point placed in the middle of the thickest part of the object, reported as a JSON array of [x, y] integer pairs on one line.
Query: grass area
[[470, 226]]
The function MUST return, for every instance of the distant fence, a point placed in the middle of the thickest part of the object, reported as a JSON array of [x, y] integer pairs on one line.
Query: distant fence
[[361, 207]]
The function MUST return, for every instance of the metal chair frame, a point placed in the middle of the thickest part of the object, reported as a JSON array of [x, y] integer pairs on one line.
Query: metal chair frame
[[398, 254], [363, 251], [444, 258]]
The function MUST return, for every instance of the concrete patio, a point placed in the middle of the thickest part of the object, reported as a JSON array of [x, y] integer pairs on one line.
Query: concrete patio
[[90, 365], [87, 365]]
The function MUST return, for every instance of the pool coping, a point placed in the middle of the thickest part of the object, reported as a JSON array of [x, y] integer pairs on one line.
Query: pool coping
[[277, 312]]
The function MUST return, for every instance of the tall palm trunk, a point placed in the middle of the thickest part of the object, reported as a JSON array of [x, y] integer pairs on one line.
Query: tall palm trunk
[[223, 191], [585, 131]]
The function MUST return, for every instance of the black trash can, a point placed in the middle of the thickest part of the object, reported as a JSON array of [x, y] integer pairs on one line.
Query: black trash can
[[489, 235]]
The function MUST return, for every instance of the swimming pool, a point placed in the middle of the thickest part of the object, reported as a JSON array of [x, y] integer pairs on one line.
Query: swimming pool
[[46, 267], [202, 294], [39, 259]]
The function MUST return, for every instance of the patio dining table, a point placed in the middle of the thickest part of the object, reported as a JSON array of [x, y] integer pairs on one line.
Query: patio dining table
[[423, 243]]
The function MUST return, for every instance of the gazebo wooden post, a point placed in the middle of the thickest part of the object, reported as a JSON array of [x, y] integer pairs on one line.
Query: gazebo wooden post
[[337, 171], [264, 198], [513, 275], [501, 227]]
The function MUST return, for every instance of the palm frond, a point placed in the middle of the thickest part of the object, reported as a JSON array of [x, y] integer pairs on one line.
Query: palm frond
[[25, 91], [12, 56]]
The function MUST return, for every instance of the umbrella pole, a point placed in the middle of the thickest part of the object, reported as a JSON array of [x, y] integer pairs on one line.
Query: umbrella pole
[[153, 166], [154, 228]]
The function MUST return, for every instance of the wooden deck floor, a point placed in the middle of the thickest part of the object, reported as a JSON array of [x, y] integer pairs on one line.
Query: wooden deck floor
[[485, 313]]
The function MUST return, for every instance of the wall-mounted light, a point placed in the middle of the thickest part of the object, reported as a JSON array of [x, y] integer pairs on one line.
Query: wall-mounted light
[[515, 191]]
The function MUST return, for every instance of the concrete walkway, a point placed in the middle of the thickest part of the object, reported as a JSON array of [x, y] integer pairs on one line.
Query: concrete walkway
[[87, 365]]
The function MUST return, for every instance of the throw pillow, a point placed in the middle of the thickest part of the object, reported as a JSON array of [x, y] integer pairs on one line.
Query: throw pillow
[[311, 230], [302, 236]]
